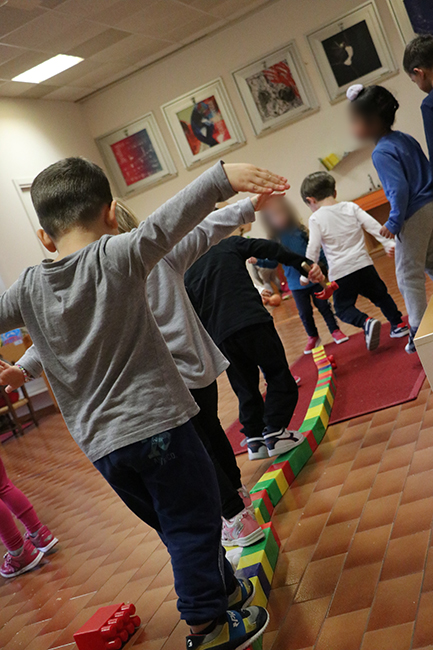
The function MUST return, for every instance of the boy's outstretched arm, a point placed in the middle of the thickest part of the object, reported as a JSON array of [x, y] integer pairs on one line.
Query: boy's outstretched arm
[[10, 312], [264, 248], [372, 226], [396, 189], [215, 227], [314, 241], [11, 376], [141, 249]]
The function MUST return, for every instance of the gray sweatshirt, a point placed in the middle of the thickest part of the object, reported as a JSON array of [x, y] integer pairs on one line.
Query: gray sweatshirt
[[112, 374], [197, 358]]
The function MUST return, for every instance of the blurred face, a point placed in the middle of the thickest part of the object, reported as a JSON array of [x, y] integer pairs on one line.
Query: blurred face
[[421, 79], [362, 128], [277, 213]]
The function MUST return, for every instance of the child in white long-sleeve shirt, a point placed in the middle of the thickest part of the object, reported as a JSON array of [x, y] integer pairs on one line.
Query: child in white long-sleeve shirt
[[339, 227]]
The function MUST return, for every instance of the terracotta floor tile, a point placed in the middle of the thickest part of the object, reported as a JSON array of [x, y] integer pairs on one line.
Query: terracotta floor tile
[[385, 416], [285, 523], [344, 453], [409, 416], [404, 436], [354, 432], [390, 638], [291, 566], [306, 532], [343, 632], [377, 434], [163, 621], [413, 517], [425, 439], [296, 497], [423, 627], [320, 578], [389, 482], [335, 475], [348, 507], [321, 502], [427, 420], [335, 539], [428, 575], [369, 456], [360, 479], [396, 601], [406, 555], [422, 461], [368, 546], [302, 625], [379, 512], [268, 639], [418, 486], [397, 457], [279, 602], [356, 589]]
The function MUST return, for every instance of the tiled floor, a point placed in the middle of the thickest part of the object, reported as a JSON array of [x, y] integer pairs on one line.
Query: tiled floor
[[356, 564]]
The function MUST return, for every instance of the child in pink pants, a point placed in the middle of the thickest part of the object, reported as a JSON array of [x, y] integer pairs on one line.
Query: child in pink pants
[[23, 553]]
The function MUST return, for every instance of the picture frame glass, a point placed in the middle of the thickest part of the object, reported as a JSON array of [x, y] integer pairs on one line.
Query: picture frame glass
[[136, 157]]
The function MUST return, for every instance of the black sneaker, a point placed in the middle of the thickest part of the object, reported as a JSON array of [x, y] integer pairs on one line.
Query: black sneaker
[[398, 331], [233, 631], [372, 329], [243, 594], [410, 346]]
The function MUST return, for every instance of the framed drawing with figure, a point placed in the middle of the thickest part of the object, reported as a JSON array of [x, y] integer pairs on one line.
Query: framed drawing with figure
[[136, 156], [275, 89], [352, 49], [203, 123]]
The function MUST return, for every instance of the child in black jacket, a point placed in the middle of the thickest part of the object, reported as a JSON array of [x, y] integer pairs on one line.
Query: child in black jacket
[[231, 309]]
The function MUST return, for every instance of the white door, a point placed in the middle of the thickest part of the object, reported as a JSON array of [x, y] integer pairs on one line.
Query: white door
[[23, 189]]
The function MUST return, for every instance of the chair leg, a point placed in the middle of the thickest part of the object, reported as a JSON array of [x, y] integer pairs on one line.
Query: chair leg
[[30, 406], [13, 414]]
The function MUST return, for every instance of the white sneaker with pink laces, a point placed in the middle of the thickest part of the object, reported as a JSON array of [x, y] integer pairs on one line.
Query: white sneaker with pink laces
[[241, 530]]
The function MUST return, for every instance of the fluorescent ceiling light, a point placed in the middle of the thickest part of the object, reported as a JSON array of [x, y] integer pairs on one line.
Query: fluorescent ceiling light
[[49, 68]]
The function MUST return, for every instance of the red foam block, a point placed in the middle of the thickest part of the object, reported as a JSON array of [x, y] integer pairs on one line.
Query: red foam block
[[287, 470], [311, 440], [262, 494], [108, 628], [274, 532]]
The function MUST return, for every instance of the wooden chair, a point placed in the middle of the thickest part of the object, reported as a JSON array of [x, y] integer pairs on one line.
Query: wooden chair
[[11, 409]]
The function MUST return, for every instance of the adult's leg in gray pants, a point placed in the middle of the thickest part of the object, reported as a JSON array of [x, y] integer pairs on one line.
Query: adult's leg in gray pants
[[413, 258]]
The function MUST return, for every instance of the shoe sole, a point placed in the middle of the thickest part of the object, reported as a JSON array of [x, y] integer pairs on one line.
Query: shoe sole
[[374, 341], [249, 540], [29, 567], [250, 599], [255, 636], [341, 340], [45, 549], [291, 445], [399, 336], [262, 455]]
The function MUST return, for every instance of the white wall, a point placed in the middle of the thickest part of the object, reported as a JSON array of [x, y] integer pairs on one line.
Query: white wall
[[293, 150], [33, 134]]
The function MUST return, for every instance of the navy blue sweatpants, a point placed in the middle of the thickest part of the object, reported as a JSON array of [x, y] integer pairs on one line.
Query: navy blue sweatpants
[[169, 482]]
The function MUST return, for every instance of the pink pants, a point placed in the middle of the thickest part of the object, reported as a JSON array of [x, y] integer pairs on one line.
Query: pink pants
[[13, 500]]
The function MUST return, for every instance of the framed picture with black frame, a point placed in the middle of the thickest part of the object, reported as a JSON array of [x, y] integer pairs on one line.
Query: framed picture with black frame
[[275, 89], [352, 49]]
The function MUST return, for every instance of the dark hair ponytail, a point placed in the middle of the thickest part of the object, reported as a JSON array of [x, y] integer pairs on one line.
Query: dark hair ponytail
[[376, 101]]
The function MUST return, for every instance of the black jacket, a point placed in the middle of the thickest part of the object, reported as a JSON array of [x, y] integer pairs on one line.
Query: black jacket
[[221, 289]]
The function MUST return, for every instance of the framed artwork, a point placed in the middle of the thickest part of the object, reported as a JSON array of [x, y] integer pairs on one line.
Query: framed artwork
[[413, 17], [136, 156], [352, 49], [203, 123], [275, 89], [401, 17]]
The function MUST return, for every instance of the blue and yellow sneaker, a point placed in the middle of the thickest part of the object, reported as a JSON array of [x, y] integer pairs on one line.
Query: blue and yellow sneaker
[[243, 594], [232, 631]]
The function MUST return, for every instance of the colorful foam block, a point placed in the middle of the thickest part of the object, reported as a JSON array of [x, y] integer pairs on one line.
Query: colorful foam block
[[108, 629]]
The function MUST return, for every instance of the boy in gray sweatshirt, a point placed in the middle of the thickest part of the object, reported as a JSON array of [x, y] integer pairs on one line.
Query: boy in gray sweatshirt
[[116, 383]]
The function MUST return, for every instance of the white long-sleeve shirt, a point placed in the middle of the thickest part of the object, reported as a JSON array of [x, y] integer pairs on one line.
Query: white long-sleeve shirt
[[339, 230]]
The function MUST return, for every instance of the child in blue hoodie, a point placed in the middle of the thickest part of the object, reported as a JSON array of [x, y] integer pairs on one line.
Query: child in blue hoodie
[[282, 222]]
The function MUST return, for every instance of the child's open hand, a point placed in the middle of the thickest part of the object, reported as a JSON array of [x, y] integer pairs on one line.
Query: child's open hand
[[249, 178], [386, 233], [11, 377]]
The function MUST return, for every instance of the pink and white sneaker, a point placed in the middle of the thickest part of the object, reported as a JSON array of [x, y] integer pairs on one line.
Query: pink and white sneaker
[[245, 496], [241, 530], [313, 342], [339, 337], [44, 540], [15, 565]]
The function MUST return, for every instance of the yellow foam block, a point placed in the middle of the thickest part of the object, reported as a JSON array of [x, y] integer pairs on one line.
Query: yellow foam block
[[259, 597], [278, 475], [318, 411], [259, 557], [259, 516]]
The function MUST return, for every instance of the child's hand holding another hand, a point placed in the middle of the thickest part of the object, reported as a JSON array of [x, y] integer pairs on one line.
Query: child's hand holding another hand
[[386, 233], [249, 178], [315, 275], [11, 377], [252, 260]]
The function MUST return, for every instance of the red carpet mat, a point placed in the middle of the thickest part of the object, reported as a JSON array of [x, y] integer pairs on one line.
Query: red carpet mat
[[366, 381]]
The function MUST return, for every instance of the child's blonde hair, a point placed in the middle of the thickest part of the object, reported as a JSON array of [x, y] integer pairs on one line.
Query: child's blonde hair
[[126, 219]]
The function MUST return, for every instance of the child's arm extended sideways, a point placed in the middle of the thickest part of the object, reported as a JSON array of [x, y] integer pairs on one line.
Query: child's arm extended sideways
[[13, 377], [372, 226], [141, 249]]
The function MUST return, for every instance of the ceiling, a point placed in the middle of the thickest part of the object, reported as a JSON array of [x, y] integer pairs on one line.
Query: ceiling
[[114, 37]]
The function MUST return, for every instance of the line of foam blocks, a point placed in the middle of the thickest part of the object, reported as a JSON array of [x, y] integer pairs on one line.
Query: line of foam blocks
[[258, 562]]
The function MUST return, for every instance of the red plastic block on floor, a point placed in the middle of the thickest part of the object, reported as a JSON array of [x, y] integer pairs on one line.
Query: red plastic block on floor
[[108, 629]]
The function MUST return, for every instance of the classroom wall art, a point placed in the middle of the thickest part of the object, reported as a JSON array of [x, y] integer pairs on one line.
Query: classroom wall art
[[401, 17], [203, 123], [420, 14], [275, 89], [352, 49], [136, 156]]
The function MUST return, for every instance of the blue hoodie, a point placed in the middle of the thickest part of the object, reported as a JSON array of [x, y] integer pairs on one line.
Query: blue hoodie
[[297, 241]]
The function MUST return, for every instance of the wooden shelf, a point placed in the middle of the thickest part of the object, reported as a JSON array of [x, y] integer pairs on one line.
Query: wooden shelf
[[376, 204], [372, 200]]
